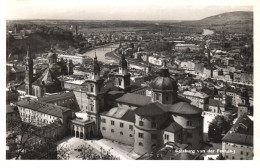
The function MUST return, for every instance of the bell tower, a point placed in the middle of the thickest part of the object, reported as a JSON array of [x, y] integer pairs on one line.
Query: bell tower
[[28, 72], [95, 95], [122, 78]]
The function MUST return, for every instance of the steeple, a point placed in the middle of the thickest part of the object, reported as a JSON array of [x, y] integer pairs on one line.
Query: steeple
[[96, 65], [122, 80], [123, 65], [28, 72], [95, 74]]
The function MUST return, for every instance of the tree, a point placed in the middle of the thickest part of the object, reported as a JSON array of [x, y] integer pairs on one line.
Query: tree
[[220, 157], [220, 125], [88, 153], [27, 141], [63, 152]]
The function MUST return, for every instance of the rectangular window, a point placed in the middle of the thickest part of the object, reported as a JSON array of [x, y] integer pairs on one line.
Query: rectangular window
[[112, 122], [189, 123], [189, 135], [166, 137], [130, 127], [157, 96], [140, 135], [154, 136], [141, 123], [103, 120], [121, 125]]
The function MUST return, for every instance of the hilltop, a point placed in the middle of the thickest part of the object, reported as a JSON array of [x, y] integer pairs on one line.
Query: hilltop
[[239, 21]]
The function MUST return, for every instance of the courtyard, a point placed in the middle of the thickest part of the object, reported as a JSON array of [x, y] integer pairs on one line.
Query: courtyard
[[121, 151]]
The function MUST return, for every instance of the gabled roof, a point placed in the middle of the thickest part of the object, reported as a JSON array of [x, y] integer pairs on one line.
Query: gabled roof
[[173, 127], [47, 78], [241, 132], [243, 125], [134, 99], [184, 108]]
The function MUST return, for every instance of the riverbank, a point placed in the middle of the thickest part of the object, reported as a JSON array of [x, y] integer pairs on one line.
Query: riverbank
[[112, 55], [96, 47]]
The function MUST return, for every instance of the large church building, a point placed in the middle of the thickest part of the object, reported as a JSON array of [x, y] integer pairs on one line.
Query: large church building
[[144, 122], [147, 123]]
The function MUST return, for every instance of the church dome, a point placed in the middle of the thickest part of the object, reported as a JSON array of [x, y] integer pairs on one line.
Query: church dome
[[164, 81]]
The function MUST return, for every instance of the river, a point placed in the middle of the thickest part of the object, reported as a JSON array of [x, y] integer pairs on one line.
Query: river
[[101, 53]]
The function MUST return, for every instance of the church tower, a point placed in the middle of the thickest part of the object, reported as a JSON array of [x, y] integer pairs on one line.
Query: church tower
[[28, 73], [95, 95], [122, 78]]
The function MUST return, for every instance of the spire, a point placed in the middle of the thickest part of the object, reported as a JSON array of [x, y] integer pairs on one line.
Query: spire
[[96, 65], [95, 58]]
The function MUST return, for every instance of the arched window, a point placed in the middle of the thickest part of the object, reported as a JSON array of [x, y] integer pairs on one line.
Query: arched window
[[112, 130], [140, 144], [92, 88], [130, 135], [121, 133], [119, 81]]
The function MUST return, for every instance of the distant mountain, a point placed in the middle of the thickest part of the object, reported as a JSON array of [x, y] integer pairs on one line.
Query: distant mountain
[[225, 18], [231, 21]]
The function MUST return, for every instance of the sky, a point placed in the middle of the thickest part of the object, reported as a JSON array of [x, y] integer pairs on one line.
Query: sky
[[122, 9]]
